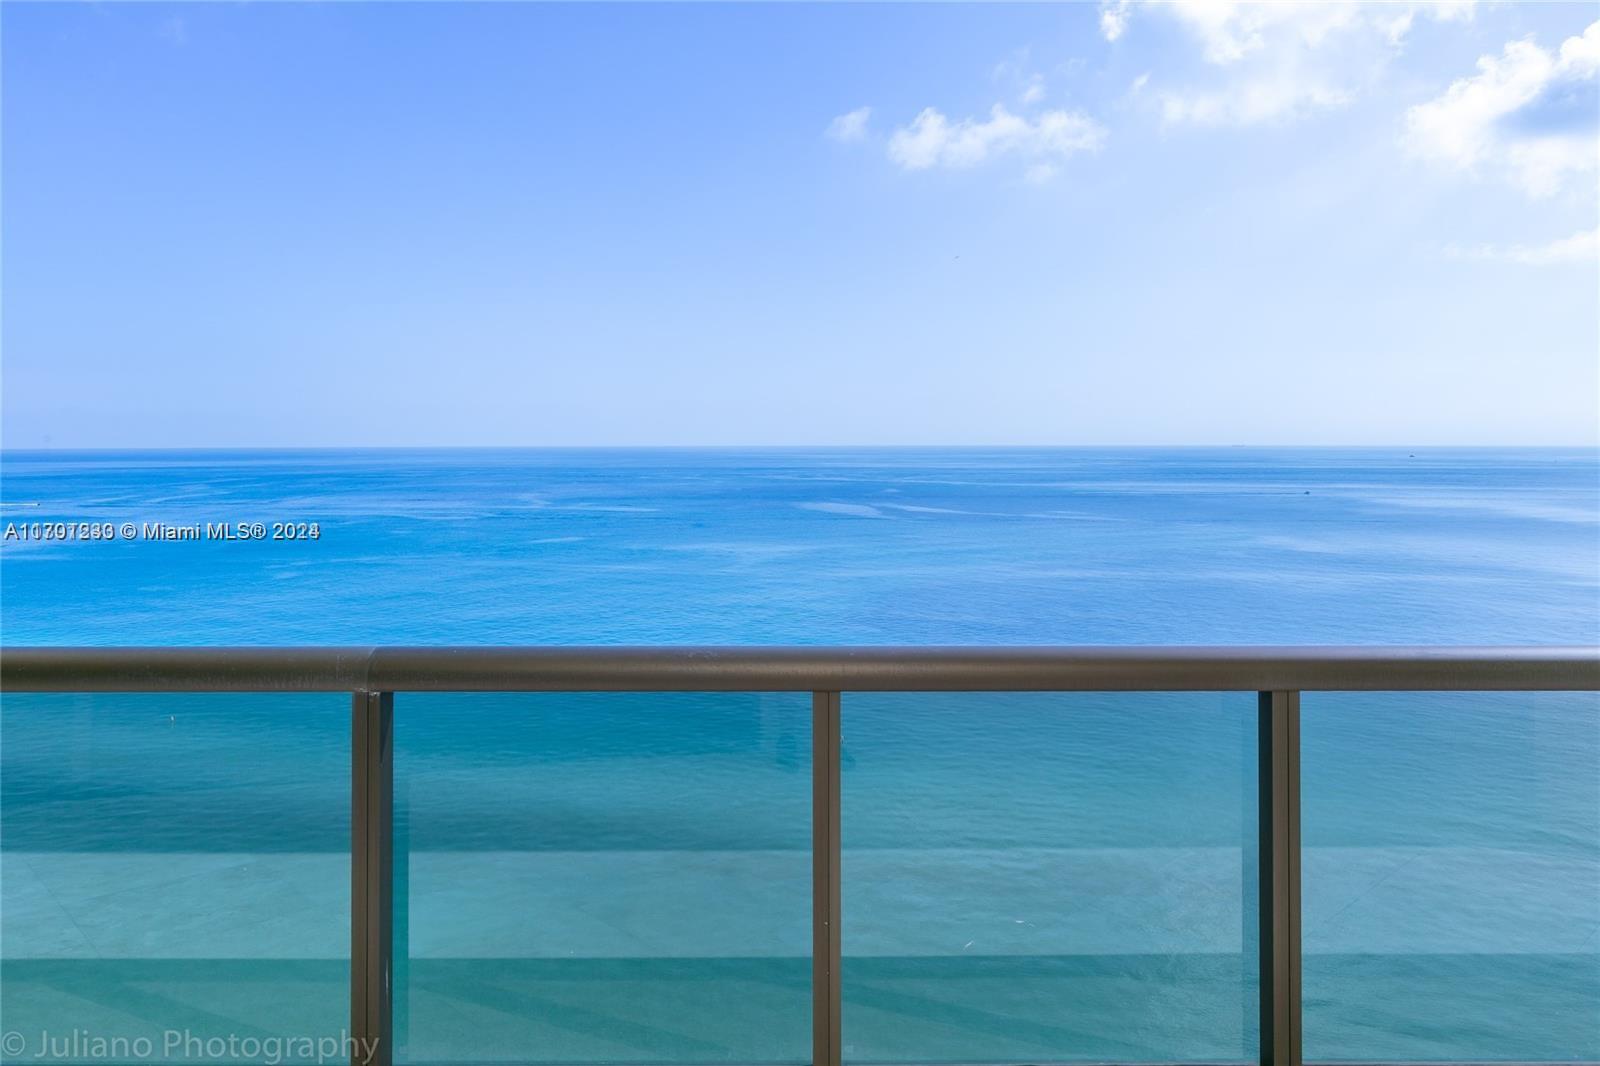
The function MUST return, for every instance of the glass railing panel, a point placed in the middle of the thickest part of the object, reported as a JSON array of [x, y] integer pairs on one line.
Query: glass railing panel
[[1451, 876], [175, 877], [619, 878], [1049, 877]]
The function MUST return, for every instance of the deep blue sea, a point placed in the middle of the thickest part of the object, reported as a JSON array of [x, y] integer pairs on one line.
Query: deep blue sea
[[625, 878], [846, 546]]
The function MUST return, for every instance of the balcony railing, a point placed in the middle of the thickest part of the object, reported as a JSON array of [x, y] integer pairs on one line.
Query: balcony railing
[[373, 675]]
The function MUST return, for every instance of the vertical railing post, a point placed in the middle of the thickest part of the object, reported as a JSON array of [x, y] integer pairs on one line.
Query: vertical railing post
[[371, 878], [826, 993], [1279, 789]]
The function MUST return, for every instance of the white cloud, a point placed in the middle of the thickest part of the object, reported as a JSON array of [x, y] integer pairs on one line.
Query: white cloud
[[1260, 99], [1279, 60], [1017, 74], [1581, 247], [850, 126], [1231, 31], [1114, 18], [933, 140], [1508, 118]]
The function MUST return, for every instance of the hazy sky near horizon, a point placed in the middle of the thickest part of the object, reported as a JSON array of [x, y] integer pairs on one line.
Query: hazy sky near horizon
[[503, 224]]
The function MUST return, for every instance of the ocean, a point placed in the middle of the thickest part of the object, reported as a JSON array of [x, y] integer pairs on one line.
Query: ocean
[[625, 878]]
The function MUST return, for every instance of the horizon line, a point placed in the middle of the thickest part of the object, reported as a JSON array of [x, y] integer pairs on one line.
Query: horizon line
[[1389, 446]]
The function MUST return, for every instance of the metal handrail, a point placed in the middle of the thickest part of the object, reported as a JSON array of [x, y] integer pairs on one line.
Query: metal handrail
[[798, 669], [373, 675]]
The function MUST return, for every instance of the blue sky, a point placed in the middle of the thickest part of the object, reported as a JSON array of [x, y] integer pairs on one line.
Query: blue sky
[[502, 224]]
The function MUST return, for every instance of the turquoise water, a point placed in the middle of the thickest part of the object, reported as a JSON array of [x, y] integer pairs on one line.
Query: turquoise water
[[626, 878]]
